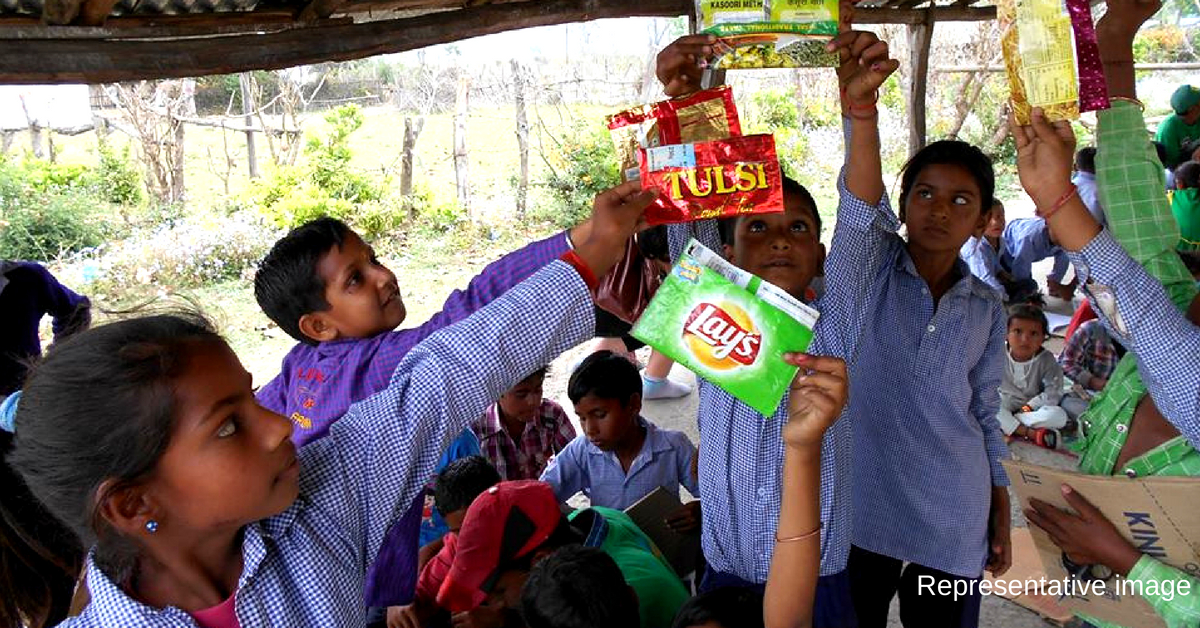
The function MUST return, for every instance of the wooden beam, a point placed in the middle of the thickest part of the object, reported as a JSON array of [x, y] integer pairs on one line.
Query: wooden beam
[[94, 12], [920, 37], [131, 28], [320, 9], [105, 61], [60, 11]]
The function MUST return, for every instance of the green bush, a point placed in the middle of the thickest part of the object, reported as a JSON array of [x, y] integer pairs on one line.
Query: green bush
[[325, 184], [46, 211], [116, 177], [1162, 44], [581, 167]]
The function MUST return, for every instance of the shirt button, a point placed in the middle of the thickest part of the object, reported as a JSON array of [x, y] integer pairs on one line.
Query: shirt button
[[924, 290], [1121, 428], [930, 329], [1131, 473]]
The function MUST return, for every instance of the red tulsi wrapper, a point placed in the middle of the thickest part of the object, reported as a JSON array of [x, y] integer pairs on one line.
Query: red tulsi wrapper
[[705, 115], [718, 179]]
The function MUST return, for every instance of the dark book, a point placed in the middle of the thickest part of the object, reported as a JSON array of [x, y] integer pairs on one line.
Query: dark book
[[682, 551]]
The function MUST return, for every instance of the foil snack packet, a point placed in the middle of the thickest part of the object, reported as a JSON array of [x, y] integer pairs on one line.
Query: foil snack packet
[[770, 33], [709, 114], [728, 326], [717, 179], [1052, 58]]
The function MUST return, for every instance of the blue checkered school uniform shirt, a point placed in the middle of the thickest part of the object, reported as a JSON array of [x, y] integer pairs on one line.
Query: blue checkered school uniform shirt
[[983, 261], [665, 460], [1136, 309], [923, 403], [307, 565], [741, 451], [1025, 241]]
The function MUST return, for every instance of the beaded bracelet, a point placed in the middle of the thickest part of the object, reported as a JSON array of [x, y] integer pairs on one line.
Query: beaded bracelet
[[793, 539], [1063, 200]]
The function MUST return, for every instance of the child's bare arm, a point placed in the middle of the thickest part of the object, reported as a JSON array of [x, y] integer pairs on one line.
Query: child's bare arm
[[865, 66], [817, 397]]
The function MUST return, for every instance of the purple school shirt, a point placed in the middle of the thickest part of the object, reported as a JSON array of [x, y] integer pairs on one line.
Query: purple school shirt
[[27, 293], [317, 384]]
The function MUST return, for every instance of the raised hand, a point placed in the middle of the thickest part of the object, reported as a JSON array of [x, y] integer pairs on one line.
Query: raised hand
[[818, 395], [616, 216], [1045, 156], [1123, 18], [865, 65], [679, 66]]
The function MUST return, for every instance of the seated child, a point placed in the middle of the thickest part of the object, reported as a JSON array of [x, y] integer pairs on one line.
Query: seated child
[[522, 431], [1088, 358], [578, 587], [1185, 205], [433, 523], [514, 525], [457, 485], [325, 287], [724, 607], [1033, 381], [1026, 241], [621, 457], [1085, 181], [982, 253]]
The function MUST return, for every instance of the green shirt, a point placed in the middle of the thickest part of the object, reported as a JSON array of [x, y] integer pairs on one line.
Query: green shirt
[[1130, 182], [1174, 133], [660, 592], [1185, 205]]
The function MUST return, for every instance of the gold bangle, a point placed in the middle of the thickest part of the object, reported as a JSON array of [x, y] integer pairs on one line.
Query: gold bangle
[[793, 539], [1132, 101]]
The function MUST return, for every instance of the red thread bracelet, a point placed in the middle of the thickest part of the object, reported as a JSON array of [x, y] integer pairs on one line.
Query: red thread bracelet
[[1062, 201], [585, 271]]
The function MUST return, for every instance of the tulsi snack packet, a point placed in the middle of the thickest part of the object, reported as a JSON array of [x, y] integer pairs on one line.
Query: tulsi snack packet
[[728, 326], [709, 114], [717, 179], [770, 33], [1052, 58]]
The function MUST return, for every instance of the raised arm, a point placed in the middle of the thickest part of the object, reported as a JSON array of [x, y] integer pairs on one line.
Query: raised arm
[[817, 398], [387, 445]]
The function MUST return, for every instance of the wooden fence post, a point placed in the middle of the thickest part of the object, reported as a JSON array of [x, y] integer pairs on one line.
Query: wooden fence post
[[248, 110], [920, 37], [522, 137], [461, 162], [412, 130]]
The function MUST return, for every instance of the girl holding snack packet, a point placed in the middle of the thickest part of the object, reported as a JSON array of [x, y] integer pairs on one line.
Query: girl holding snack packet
[[927, 366]]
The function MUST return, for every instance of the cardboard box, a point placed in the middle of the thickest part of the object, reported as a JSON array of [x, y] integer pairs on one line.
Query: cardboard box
[[1157, 514]]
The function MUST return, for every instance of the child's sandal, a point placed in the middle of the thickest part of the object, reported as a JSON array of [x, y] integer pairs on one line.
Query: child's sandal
[[1043, 437]]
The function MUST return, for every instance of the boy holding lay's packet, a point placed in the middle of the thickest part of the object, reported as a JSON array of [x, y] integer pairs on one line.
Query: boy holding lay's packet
[[741, 450]]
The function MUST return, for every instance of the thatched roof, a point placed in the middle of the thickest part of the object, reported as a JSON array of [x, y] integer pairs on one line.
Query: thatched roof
[[101, 41]]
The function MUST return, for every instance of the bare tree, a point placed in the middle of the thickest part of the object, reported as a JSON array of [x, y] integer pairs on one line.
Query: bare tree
[[155, 112]]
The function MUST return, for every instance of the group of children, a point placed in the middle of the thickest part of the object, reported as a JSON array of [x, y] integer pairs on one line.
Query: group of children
[[206, 502]]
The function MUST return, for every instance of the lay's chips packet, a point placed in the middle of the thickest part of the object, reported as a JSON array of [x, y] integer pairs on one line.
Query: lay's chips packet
[[770, 33], [716, 179], [728, 326]]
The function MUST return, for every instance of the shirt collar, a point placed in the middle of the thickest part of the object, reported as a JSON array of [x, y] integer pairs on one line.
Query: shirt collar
[[596, 533]]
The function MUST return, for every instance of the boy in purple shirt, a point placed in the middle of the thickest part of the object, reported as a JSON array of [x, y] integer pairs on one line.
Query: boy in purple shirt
[[326, 288], [27, 293]]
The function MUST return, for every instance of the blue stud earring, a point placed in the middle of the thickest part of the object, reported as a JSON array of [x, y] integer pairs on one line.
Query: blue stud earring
[[152, 526]]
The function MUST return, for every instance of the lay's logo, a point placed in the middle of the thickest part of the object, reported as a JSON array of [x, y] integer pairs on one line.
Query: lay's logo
[[722, 336]]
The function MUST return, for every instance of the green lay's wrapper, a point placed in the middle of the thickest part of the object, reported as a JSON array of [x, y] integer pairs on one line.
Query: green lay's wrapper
[[728, 326], [770, 33]]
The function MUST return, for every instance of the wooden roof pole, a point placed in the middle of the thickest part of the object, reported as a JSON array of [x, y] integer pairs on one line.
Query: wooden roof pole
[[920, 38]]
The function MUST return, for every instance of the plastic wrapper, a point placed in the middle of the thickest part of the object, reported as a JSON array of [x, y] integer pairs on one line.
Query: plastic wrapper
[[728, 326], [1052, 58], [770, 33], [705, 115], [717, 179]]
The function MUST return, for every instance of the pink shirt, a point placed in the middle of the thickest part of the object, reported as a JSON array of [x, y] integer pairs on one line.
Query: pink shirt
[[219, 616]]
